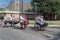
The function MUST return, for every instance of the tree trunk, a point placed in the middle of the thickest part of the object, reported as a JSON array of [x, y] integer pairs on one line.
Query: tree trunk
[[55, 17]]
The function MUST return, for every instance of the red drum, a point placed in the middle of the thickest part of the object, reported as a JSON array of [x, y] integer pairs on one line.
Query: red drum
[[26, 22]]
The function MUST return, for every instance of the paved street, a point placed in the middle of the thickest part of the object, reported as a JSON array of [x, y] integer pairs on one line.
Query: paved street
[[11, 33]]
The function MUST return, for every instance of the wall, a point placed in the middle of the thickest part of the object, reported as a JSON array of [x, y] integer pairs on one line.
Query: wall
[[29, 15]]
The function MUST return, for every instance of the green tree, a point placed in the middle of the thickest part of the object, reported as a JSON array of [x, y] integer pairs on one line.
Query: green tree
[[47, 6], [1, 9]]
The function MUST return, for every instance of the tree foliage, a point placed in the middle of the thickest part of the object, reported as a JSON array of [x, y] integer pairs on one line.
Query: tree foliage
[[1, 9], [47, 6]]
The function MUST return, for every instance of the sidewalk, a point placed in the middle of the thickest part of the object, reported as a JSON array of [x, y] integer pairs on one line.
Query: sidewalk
[[54, 26], [48, 25]]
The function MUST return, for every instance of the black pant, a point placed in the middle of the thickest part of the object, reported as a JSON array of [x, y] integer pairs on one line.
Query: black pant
[[45, 24]]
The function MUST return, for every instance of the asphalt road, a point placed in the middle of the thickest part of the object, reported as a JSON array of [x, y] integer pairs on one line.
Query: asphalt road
[[11, 33]]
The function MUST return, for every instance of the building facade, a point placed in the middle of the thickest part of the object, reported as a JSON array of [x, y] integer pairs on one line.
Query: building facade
[[17, 6]]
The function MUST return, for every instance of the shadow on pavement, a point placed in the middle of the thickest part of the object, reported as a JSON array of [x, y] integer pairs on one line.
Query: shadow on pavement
[[8, 26], [18, 28], [56, 36], [32, 28]]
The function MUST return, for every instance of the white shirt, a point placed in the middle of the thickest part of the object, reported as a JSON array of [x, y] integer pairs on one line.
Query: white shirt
[[12, 18], [5, 18], [21, 17], [42, 21]]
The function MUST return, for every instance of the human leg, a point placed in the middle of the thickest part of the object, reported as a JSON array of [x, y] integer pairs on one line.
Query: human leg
[[45, 26], [37, 26]]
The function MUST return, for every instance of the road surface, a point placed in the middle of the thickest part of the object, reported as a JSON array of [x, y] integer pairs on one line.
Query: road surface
[[11, 33]]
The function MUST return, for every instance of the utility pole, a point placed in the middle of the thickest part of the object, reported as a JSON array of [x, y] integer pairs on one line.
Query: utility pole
[[20, 7], [15, 5]]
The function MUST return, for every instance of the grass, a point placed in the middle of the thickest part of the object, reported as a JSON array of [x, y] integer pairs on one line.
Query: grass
[[57, 22]]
